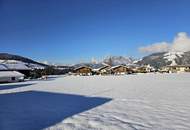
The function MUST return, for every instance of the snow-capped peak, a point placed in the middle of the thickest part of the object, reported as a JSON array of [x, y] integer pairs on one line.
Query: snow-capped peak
[[172, 56], [118, 60], [136, 61]]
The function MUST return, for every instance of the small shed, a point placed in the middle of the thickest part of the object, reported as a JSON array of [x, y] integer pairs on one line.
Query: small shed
[[11, 76]]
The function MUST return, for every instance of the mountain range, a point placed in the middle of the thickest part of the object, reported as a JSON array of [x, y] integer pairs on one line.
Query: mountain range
[[118, 60], [156, 60]]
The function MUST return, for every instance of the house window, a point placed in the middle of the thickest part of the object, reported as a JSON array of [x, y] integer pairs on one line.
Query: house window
[[13, 78]]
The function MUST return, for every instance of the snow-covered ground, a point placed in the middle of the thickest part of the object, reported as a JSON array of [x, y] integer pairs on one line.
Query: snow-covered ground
[[131, 102]]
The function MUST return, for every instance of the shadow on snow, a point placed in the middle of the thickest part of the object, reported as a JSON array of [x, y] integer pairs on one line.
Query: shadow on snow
[[12, 86], [34, 110]]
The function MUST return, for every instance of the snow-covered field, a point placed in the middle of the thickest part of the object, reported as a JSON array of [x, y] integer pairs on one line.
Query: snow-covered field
[[131, 102]]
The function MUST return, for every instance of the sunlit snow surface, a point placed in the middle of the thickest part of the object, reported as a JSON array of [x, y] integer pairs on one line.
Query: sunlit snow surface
[[138, 102]]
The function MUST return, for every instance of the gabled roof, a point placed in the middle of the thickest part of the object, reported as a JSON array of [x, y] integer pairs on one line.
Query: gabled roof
[[116, 66], [17, 66], [89, 65], [78, 66], [99, 66], [10, 74], [133, 65], [82, 67]]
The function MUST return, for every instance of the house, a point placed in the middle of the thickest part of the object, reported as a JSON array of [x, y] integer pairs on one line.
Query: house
[[176, 68], [83, 70], [11, 76], [20, 67], [133, 67], [145, 69], [101, 69], [105, 70], [121, 69]]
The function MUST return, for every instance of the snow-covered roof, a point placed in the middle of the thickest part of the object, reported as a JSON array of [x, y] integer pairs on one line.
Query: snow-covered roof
[[78, 66], [10, 74], [82, 67], [97, 67], [3, 67], [17, 66], [133, 65], [13, 65], [116, 66], [90, 65]]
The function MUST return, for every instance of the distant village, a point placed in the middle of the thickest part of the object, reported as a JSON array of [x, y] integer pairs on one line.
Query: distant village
[[12, 71], [105, 69]]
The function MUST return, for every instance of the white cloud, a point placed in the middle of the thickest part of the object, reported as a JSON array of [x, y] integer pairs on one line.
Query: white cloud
[[181, 43], [156, 47]]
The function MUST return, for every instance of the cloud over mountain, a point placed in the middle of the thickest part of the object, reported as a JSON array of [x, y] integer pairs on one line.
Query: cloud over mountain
[[181, 43]]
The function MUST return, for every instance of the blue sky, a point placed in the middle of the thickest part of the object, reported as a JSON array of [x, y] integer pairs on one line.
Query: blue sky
[[69, 31]]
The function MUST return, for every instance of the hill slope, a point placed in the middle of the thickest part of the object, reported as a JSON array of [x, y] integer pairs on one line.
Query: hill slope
[[166, 58], [5, 57]]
